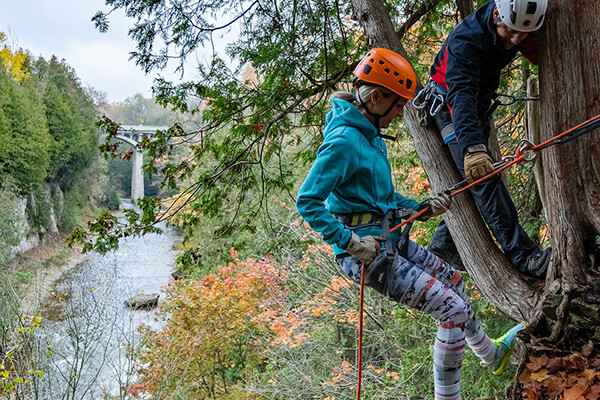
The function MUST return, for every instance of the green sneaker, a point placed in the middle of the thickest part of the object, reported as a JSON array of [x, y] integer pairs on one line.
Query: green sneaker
[[505, 346]]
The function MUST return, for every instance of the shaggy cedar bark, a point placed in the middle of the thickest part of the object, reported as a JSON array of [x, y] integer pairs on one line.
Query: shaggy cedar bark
[[570, 94], [507, 289]]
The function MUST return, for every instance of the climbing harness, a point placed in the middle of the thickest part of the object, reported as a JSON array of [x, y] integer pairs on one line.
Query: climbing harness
[[380, 272], [508, 161], [433, 95]]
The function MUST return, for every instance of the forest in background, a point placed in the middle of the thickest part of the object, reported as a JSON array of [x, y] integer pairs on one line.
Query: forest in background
[[263, 305]]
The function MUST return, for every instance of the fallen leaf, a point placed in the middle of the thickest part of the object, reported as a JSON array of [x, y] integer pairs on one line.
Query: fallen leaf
[[525, 377], [590, 374], [555, 364], [574, 362], [555, 387], [594, 393], [540, 375], [587, 348], [532, 394], [535, 363], [575, 392]]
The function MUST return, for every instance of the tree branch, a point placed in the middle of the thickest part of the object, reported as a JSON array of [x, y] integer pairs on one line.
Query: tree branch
[[417, 15]]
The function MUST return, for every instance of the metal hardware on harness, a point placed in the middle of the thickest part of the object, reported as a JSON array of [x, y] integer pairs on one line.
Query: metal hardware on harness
[[429, 95], [380, 272], [526, 145]]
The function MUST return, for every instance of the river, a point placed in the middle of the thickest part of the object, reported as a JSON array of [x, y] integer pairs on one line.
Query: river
[[87, 330]]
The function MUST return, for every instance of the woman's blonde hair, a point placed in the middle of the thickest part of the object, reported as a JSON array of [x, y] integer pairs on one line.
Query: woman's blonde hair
[[364, 92]]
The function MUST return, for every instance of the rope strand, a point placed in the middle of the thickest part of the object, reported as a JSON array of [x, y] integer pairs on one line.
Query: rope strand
[[519, 156]]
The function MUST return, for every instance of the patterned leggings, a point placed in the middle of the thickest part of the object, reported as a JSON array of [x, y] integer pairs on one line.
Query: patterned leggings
[[425, 282]]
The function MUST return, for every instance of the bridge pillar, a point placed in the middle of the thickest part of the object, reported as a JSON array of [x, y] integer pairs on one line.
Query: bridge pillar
[[137, 175]]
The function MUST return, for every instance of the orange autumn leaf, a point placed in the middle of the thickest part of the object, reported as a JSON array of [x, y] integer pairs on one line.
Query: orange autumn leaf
[[575, 392], [532, 394], [536, 363]]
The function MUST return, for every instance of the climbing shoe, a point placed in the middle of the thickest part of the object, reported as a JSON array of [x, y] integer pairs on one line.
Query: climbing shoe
[[505, 346], [447, 255], [538, 263]]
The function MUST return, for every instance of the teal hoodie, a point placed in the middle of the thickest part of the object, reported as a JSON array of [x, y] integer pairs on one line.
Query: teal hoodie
[[351, 174]]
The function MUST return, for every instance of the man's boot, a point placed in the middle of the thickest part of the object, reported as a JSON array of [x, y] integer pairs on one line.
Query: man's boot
[[538, 263]]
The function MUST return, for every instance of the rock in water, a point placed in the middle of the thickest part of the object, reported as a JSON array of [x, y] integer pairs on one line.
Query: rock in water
[[143, 301]]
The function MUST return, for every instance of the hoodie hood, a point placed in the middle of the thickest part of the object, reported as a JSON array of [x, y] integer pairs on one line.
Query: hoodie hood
[[347, 115]]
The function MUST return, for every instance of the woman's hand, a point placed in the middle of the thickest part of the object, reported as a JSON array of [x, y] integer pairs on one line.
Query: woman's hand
[[363, 248], [437, 205]]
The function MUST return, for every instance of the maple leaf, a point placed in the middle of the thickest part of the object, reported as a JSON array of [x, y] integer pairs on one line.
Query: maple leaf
[[540, 375], [535, 363], [575, 392], [525, 377], [555, 364], [555, 387], [574, 362]]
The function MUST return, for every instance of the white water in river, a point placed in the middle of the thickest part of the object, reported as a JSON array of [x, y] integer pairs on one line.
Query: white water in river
[[86, 325]]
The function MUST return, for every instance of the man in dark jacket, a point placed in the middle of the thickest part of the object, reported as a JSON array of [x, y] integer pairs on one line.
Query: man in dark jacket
[[467, 72]]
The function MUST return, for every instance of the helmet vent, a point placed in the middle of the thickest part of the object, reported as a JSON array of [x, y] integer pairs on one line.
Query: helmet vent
[[513, 17], [381, 62], [396, 73], [408, 83], [531, 7], [401, 82], [387, 70], [368, 69]]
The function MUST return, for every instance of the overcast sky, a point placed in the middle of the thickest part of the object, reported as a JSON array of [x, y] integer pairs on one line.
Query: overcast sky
[[64, 28]]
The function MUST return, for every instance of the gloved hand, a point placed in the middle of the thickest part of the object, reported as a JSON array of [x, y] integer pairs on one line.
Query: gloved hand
[[363, 248], [437, 205], [477, 165]]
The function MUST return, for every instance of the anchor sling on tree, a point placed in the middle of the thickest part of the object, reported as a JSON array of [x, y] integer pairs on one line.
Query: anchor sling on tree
[[464, 78], [348, 196]]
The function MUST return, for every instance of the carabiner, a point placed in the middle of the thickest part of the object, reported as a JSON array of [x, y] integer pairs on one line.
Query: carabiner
[[439, 100], [420, 99], [526, 145]]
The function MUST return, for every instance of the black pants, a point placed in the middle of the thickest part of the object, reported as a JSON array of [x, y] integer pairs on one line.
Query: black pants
[[496, 206]]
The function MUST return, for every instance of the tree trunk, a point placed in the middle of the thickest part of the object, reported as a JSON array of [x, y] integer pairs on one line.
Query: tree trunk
[[570, 94], [465, 7], [507, 289]]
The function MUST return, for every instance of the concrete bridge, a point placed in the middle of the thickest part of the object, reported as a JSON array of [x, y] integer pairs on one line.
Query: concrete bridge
[[132, 135]]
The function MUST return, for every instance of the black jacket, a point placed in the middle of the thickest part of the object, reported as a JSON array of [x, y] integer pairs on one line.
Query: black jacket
[[469, 65]]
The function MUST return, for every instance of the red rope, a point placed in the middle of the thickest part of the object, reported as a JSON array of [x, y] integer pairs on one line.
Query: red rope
[[360, 328], [560, 135], [518, 158]]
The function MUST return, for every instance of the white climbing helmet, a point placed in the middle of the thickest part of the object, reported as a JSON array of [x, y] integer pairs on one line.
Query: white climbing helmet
[[522, 15]]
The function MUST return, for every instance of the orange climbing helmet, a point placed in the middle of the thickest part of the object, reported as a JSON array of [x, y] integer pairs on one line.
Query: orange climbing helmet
[[386, 68]]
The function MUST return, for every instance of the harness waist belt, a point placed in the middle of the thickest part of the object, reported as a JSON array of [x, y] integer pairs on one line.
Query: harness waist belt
[[360, 219]]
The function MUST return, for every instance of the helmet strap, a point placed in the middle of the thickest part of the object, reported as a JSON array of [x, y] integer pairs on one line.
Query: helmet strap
[[377, 116]]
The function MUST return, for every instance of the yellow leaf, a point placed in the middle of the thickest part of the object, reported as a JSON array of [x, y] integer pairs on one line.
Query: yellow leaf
[[540, 375]]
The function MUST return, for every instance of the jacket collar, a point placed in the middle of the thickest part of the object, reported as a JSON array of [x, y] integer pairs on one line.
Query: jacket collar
[[344, 113]]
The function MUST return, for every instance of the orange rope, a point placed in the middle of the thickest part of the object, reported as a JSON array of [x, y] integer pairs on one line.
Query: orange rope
[[360, 328], [518, 158]]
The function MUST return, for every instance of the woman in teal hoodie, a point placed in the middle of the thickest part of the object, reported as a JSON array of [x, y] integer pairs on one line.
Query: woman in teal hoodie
[[348, 196]]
